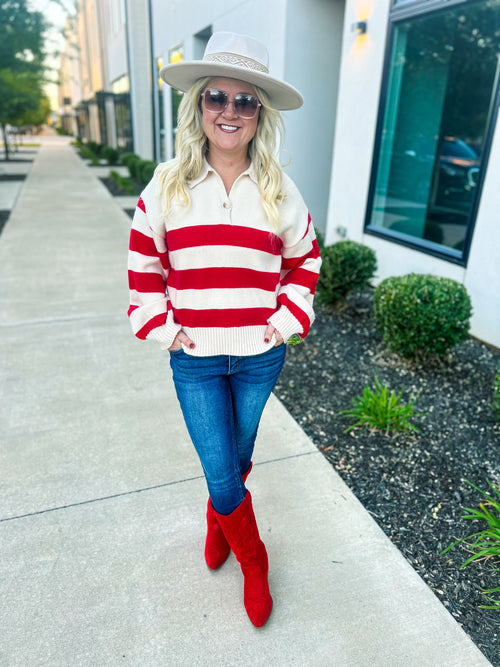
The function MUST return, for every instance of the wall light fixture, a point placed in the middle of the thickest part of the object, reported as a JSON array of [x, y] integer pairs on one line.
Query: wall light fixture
[[358, 28]]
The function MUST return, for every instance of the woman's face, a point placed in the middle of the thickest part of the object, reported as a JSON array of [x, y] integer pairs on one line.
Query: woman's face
[[227, 132]]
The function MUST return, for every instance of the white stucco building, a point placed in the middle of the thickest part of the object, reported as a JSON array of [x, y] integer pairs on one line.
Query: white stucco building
[[397, 145]]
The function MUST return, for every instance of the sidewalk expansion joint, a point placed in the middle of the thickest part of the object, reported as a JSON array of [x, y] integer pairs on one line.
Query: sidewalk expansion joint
[[58, 320], [134, 491]]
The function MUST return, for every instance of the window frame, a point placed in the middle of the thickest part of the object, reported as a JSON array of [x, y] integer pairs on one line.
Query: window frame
[[400, 13]]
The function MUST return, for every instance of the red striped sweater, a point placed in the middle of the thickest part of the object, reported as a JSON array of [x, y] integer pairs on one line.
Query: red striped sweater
[[218, 271]]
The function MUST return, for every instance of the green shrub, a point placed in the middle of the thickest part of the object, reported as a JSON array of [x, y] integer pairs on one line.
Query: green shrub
[[87, 154], [321, 240], [95, 148], [126, 157], [347, 266], [418, 314], [496, 395], [130, 160], [146, 169], [381, 409], [110, 154]]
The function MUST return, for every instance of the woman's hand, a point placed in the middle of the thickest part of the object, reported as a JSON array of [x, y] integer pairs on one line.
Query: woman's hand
[[269, 334], [180, 340]]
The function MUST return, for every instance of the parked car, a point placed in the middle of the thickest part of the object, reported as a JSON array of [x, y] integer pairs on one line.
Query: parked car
[[452, 185]]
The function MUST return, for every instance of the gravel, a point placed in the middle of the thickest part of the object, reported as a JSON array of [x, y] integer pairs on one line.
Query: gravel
[[413, 484]]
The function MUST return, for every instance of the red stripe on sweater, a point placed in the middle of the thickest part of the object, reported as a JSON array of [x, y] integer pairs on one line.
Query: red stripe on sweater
[[146, 282], [139, 242], [141, 205], [156, 321], [302, 277], [289, 263], [223, 235], [297, 312], [145, 245], [308, 225], [223, 318], [223, 278], [131, 310]]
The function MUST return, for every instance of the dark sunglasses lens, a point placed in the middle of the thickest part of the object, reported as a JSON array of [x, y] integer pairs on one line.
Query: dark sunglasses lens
[[245, 105], [215, 100]]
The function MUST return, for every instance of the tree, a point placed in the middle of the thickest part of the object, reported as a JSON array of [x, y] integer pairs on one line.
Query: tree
[[21, 63]]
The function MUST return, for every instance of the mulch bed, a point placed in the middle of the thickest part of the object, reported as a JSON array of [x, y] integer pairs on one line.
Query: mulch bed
[[412, 484], [116, 190]]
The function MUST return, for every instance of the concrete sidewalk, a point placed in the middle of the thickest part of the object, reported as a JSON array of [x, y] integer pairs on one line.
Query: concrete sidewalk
[[102, 499]]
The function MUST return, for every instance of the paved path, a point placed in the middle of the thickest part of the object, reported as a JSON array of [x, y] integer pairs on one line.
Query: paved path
[[102, 499]]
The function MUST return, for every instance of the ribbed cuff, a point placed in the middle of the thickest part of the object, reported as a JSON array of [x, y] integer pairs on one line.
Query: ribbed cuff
[[165, 334], [286, 323]]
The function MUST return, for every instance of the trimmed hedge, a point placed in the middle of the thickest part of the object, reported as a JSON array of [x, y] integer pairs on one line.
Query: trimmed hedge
[[110, 154], [347, 266], [420, 313], [146, 169]]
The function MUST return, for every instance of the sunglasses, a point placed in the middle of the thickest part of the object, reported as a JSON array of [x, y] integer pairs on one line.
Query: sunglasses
[[244, 104]]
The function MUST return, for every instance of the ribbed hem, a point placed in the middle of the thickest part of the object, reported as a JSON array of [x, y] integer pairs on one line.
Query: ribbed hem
[[240, 341]]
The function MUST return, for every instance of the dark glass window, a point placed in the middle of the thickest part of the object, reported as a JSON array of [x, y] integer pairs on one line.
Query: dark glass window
[[438, 107]]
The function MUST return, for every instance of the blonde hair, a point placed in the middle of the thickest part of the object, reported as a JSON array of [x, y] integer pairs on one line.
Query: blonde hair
[[191, 146]]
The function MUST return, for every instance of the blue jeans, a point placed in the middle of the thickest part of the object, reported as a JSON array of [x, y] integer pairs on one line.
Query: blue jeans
[[222, 399]]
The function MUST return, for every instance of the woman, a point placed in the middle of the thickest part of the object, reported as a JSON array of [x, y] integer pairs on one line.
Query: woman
[[223, 267]]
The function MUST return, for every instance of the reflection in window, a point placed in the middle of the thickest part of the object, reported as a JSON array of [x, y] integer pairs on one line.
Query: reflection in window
[[439, 99]]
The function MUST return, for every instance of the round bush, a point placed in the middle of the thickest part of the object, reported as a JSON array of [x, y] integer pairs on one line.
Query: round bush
[[147, 169], [130, 160], [347, 266], [110, 154], [421, 313], [95, 148]]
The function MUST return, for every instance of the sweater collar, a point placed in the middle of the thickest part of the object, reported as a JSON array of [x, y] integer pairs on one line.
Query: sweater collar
[[207, 168]]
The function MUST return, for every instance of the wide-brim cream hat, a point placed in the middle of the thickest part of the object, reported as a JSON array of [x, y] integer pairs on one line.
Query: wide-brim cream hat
[[236, 57]]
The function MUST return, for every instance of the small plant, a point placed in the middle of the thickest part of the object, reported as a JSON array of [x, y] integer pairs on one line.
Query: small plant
[[347, 266], [123, 182], [381, 409], [419, 314], [485, 544], [496, 395], [87, 154], [295, 340]]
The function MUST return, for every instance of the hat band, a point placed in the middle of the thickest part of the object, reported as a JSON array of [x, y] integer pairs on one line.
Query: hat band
[[238, 61]]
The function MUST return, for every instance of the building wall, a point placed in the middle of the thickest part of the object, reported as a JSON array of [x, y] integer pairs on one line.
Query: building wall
[[138, 36], [359, 92], [69, 77], [358, 98], [312, 53], [116, 41], [303, 38]]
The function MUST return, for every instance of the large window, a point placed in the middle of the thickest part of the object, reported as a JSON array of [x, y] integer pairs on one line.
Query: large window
[[438, 110]]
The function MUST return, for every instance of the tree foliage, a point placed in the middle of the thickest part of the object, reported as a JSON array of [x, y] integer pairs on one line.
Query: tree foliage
[[21, 63]]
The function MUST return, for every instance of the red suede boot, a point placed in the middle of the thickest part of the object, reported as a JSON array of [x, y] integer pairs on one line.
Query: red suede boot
[[216, 547], [242, 534]]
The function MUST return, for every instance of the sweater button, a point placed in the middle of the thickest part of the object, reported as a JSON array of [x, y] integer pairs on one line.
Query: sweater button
[[227, 204]]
